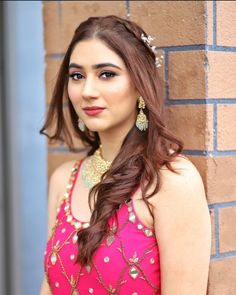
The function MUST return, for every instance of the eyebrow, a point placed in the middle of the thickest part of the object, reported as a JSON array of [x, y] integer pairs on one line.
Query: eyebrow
[[96, 66]]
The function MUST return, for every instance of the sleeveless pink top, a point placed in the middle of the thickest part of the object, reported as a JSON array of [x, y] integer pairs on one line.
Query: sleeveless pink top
[[125, 263]]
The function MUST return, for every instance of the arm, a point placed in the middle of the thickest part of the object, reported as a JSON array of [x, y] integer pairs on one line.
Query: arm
[[45, 290], [52, 205], [57, 185], [183, 230]]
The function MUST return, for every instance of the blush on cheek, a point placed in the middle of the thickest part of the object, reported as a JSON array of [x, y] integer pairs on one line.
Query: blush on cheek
[[117, 90], [71, 88], [72, 95]]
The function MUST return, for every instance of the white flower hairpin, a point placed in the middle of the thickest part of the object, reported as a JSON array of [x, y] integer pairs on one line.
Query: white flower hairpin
[[147, 40]]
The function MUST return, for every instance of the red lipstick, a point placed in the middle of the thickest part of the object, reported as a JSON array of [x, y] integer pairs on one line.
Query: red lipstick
[[93, 111]]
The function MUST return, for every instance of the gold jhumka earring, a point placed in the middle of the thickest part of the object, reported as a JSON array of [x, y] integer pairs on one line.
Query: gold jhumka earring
[[141, 121]]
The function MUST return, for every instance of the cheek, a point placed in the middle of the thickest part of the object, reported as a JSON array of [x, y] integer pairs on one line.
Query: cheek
[[120, 95], [73, 93], [124, 106]]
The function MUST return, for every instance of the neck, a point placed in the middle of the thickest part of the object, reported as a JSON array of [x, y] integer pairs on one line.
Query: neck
[[111, 143]]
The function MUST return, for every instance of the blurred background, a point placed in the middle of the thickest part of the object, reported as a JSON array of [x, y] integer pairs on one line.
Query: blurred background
[[197, 40], [23, 153]]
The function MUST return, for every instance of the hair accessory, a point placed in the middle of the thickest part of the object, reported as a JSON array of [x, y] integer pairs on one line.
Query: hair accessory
[[81, 125], [147, 40], [94, 167], [141, 121]]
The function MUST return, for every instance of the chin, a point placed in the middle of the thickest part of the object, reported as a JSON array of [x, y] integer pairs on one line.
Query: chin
[[96, 128]]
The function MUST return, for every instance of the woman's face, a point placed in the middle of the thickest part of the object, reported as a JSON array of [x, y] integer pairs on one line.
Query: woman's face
[[100, 88]]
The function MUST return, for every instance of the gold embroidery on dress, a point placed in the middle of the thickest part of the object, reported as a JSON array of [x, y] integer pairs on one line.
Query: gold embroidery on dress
[[132, 264]]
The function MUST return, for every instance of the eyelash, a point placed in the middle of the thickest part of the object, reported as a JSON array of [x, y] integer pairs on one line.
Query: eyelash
[[76, 74]]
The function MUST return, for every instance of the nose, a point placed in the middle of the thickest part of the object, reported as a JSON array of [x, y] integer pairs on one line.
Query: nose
[[89, 88]]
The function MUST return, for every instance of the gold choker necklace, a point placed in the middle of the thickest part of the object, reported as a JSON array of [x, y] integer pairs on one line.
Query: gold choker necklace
[[94, 167]]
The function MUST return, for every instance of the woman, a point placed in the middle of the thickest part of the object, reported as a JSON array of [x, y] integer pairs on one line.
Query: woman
[[134, 217]]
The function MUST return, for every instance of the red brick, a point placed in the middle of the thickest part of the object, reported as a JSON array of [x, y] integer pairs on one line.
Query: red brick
[[62, 17], [226, 131], [227, 229], [222, 277], [75, 12], [226, 23], [161, 71], [187, 75], [221, 179], [212, 214], [52, 27], [193, 124], [172, 22], [221, 74], [51, 72], [201, 164], [209, 22]]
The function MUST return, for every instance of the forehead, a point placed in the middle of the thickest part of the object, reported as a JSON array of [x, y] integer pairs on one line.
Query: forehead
[[94, 51]]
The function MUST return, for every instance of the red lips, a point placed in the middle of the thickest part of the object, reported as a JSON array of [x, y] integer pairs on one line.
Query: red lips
[[92, 111]]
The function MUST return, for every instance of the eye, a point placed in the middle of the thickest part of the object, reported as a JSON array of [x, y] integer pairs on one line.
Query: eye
[[108, 75], [75, 76]]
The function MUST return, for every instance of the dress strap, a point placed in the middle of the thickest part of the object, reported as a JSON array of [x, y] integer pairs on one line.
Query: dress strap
[[68, 195], [72, 179], [74, 174]]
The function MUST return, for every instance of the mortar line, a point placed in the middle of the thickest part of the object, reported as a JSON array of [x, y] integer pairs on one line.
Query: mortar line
[[228, 204], [209, 153], [166, 76], [127, 9], [214, 23], [223, 255], [221, 48], [193, 47], [215, 144], [206, 22], [194, 101], [196, 47], [64, 149], [172, 49]]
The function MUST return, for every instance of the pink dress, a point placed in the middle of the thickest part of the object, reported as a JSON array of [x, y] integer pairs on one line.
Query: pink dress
[[126, 263]]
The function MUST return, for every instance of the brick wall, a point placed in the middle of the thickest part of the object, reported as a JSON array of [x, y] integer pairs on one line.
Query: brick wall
[[198, 42]]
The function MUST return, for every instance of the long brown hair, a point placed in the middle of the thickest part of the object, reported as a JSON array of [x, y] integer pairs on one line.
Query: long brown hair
[[142, 154]]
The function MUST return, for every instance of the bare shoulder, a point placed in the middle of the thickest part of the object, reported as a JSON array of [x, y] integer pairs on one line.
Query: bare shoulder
[[60, 176], [182, 195], [187, 177], [58, 181], [57, 186], [185, 187], [182, 219], [182, 165]]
